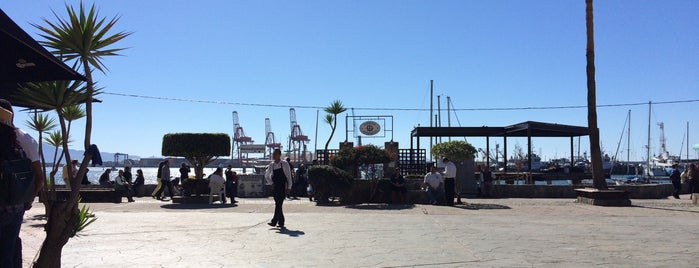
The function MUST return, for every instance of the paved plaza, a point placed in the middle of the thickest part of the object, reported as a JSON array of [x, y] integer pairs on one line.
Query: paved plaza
[[482, 233]]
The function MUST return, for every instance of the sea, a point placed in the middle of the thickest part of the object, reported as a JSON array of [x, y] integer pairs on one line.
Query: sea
[[149, 173]]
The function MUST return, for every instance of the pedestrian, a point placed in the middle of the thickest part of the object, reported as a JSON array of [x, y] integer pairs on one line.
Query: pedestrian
[[165, 180], [487, 178], [693, 180], [160, 182], [449, 187], [231, 183], [15, 144], [291, 194], [278, 175], [676, 181]]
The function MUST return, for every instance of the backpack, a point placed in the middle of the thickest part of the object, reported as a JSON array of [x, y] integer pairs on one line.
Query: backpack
[[16, 181]]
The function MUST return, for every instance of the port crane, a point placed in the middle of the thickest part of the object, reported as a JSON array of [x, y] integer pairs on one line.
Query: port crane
[[270, 141], [297, 141], [239, 137]]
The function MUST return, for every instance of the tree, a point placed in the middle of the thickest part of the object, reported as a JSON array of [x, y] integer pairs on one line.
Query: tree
[[198, 148], [333, 110], [83, 37], [454, 150], [598, 180]]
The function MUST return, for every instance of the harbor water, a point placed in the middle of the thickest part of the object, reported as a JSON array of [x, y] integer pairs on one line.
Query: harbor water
[[149, 173]]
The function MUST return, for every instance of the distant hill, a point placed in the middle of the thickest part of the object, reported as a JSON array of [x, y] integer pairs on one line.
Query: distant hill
[[78, 154]]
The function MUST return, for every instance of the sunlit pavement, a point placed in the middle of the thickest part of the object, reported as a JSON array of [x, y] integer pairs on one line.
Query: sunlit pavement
[[481, 233]]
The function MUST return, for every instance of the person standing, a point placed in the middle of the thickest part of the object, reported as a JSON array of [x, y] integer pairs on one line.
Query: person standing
[[231, 183], [160, 181], [433, 185], [449, 177], [676, 183], [278, 175], [165, 180], [487, 178], [184, 172], [693, 179], [13, 143]]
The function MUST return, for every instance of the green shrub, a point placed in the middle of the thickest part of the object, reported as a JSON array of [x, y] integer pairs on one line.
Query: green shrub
[[328, 181]]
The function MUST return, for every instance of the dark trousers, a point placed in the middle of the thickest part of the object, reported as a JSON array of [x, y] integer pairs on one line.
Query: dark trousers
[[279, 195], [678, 187], [167, 184], [449, 191]]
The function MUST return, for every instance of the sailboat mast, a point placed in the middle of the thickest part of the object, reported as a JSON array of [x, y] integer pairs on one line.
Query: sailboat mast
[[628, 145], [648, 173]]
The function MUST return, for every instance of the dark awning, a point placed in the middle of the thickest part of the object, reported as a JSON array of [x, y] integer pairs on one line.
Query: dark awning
[[524, 129], [23, 59]]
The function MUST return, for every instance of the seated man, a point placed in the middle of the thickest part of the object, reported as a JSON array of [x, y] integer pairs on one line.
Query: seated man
[[433, 185]]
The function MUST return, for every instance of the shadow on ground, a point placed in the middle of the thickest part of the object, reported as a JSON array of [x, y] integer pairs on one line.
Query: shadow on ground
[[477, 206], [292, 233], [197, 206], [381, 206], [665, 208]]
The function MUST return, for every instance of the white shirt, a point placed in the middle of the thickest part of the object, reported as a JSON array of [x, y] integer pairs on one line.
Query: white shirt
[[433, 179], [29, 145], [450, 170], [270, 171], [216, 181]]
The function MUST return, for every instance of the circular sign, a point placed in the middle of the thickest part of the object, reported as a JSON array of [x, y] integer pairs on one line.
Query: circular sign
[[369, 128]]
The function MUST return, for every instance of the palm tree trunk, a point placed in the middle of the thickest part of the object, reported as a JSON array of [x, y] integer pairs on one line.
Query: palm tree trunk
[[59, 226], [598, 180]]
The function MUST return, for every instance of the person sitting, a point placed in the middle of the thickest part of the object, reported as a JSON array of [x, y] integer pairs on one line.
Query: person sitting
[[217, 186], [139, 183], [123, 186], [104, 178], [433, 185], [398, 189]]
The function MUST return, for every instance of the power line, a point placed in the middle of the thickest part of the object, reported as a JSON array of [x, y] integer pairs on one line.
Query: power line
[[397, 109]]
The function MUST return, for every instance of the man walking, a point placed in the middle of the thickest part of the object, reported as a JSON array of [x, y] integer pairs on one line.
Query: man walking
[[449, 176], [278, 175]]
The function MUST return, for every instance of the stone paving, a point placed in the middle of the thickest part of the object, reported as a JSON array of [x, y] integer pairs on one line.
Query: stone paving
[[482, 233]]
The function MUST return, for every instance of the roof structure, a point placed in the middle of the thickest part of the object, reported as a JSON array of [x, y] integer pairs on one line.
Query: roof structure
[[524, 129]]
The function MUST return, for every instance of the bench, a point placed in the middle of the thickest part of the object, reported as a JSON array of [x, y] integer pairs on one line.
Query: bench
[[91, 194]]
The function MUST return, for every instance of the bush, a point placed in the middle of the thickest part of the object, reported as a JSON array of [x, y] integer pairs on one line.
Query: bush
[[329, 181], [349, 158]]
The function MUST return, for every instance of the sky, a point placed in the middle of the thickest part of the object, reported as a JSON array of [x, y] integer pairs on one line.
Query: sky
[[189, 65]]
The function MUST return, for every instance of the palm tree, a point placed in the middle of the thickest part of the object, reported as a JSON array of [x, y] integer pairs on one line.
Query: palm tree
[[598, 180], [83, 37], [72, 113], [41, 123], [56, 140], [333, 110]]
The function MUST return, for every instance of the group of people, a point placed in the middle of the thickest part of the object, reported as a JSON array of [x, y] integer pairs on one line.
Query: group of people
[[124, 182], [440, 185], [689, 176]]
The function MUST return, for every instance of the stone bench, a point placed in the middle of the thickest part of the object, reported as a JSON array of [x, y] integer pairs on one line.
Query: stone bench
[[91, 194]]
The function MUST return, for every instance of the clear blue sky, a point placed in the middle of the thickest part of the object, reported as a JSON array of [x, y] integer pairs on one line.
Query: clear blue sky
[[382, 54]]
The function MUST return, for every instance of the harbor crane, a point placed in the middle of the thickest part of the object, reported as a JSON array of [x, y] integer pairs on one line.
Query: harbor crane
[[297, 140], [270, 142], [239, 137]]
